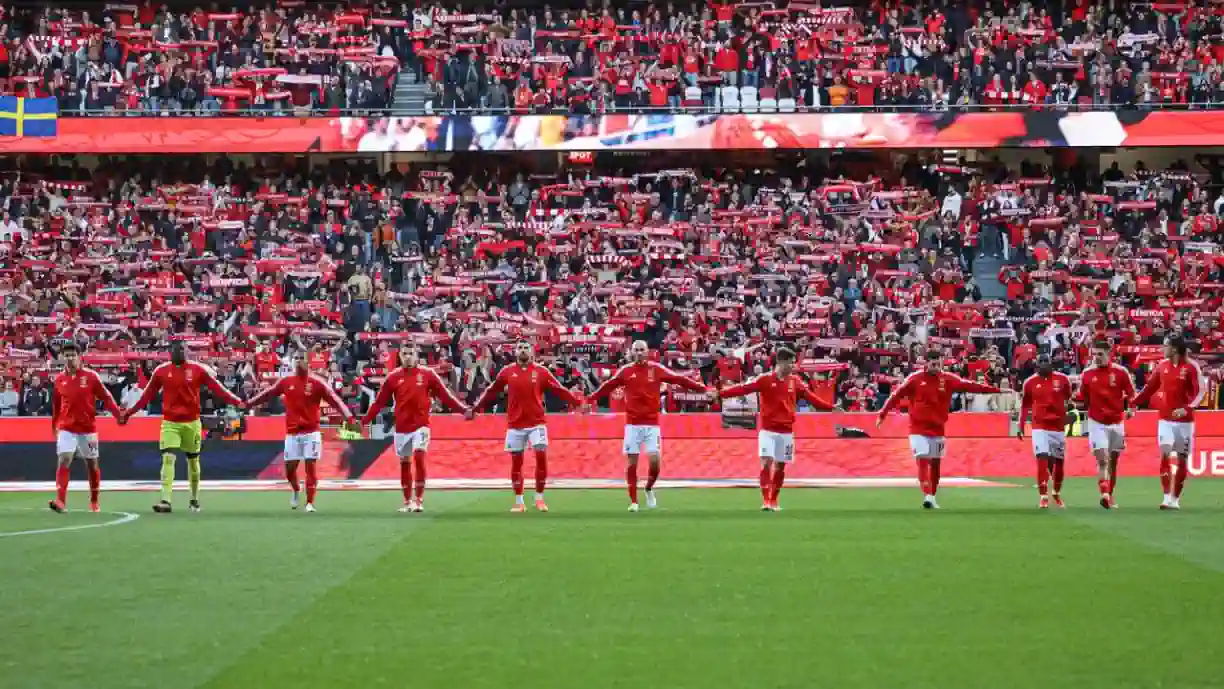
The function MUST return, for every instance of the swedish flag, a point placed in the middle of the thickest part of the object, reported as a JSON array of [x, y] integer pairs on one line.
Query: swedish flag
[[28, 116]]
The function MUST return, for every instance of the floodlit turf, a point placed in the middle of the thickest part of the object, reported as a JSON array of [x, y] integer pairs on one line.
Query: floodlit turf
[[845, 588]]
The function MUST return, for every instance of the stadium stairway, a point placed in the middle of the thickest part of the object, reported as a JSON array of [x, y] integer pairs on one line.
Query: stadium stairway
[[409, 94], [986, 275]]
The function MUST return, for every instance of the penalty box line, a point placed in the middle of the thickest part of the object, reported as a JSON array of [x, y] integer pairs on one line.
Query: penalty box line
[[123, 518]]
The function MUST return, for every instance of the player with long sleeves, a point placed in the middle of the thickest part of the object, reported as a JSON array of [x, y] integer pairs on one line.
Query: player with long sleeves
[[304, 394], [180, 381], [525, 383], [779, 392], [1106, 391], [1046, 394], [643, 381], [929, 393], [412, 388], [1176, 386], [74, 395]]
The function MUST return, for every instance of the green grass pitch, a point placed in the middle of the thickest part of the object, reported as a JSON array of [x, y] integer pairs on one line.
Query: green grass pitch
[[845, 588]]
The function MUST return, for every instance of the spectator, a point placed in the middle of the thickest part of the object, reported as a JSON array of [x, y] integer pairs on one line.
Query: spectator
[[8, 400]]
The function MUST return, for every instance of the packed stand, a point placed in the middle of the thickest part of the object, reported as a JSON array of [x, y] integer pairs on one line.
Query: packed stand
[[248, 264], [788, 56], [149, 59]]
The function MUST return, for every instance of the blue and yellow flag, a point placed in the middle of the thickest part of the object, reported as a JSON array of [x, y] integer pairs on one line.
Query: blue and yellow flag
[[28, 116]]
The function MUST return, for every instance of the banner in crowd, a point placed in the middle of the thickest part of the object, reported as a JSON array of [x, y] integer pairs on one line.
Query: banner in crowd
[[695, 446], [625, 132]]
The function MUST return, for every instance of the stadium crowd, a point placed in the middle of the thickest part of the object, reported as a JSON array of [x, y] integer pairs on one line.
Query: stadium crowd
[[153, 57], [149, 58], [713, 267]]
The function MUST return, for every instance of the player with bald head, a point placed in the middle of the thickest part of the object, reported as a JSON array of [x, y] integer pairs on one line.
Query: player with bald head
[[643, 381], [525, 383]]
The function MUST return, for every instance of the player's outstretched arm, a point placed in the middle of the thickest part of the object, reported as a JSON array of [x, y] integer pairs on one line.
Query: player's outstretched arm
[[607, 387], [382, 398], [1149, 390], [1026, 403], [961, 385], [55, 410], [108, 400], [443, 394], [211, 382], [902, 392], [153, 387], [490, 393], [270, 393], [333, 399], [573, 399], [742, 389], [809, 394]]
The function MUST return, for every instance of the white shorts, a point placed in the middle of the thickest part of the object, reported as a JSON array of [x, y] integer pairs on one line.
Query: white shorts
[[83, 445], [517, 439], [639, 437], [407, 443], [1111, 437], [1175, 436], [303, 446], [1049, 443], [780, 447], [927, 446]]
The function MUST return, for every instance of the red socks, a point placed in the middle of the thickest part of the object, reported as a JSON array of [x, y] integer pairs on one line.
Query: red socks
[[61, 484], [1043, 477], [1166, 474], [766, 484], [95, 481], [652, 476], [1058, 478], [292, 476], [418, 459], [935, 472], [779, 475], [1179, 477], [1103, 486], [541, 476], [406, 478], [312, 482], [631, 482], [924, 476], [516, 472]]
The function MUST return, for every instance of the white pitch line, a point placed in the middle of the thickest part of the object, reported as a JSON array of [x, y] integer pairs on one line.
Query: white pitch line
[[124, 518]]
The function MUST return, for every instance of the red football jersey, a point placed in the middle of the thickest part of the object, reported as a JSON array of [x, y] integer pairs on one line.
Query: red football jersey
[[1047, 397], [303, 396], [412, 389], [779, 396], [525, 386], [930, 395], [72, 401], [1175, 386], [1106, 391], [643, 384], [180, 387]]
